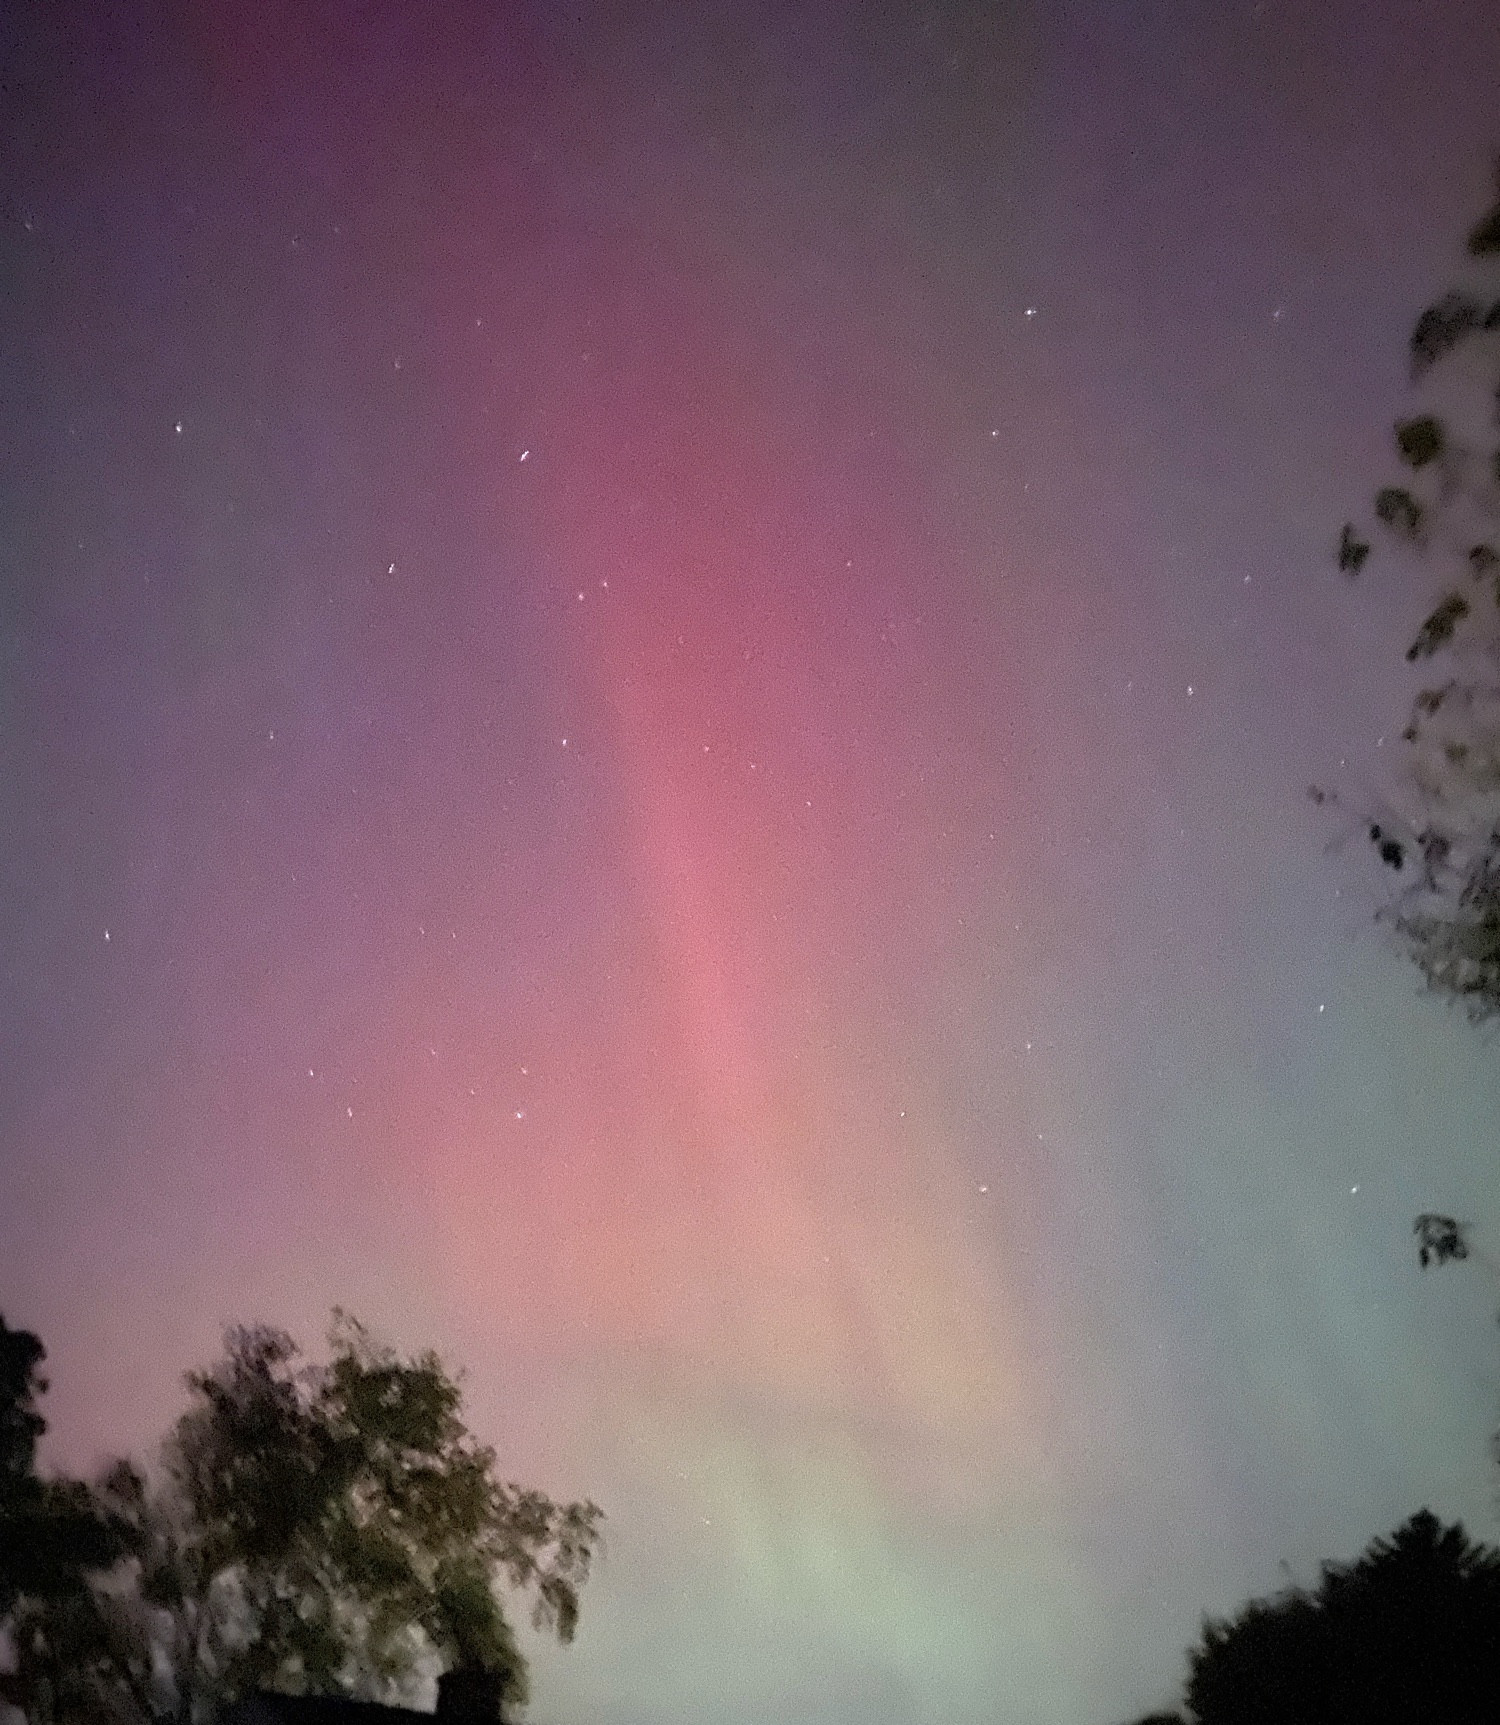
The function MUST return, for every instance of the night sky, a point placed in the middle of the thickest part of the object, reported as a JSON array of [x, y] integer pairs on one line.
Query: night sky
[[658, 664]]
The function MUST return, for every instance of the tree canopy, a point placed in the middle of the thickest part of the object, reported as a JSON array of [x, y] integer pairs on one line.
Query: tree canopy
[[51, 1531], [323, 1529], [1410, 1631], [1443, 511]]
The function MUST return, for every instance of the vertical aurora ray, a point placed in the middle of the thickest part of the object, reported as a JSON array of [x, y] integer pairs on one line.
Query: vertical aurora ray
[[880, 1106], [780, 1178], [796, 1321]]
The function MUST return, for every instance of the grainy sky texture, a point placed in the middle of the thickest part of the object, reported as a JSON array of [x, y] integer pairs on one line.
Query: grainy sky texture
[[657, 664]]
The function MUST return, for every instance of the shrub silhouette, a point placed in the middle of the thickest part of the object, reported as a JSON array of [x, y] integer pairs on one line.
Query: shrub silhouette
[[1410, 1633]]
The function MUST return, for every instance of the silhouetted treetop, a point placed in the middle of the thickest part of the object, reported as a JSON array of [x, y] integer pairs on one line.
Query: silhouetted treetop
[[319, 1529], [51, 1530], [1409, 1633]]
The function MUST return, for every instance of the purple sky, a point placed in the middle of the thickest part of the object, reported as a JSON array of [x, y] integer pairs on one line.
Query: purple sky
[[657, 666]]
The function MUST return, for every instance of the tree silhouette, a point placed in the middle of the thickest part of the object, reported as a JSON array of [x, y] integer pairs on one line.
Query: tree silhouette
[[54, 1533], [1409, 1633], [318, 1529], [1445, 514]]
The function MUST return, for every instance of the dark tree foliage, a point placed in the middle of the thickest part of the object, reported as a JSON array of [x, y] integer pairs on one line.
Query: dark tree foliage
[[52, 1531], [21, 1382], [1440, 1239], [1445, 513], [316, 1529], [1410, 1633]]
